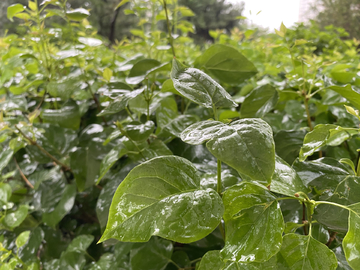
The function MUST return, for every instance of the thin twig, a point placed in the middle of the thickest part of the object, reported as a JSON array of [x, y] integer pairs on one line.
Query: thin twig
[[23, 175], [332, 238], [32, 142]]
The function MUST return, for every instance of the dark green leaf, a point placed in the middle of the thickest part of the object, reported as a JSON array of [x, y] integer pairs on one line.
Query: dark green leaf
[[250, 137], [199, 87], [253, 209], [288, 144], [299, 252], [109, 160], [80, 243], [68, 116], [285, 179], [259, 102], [163, 197], [62, 208], [153, 255]]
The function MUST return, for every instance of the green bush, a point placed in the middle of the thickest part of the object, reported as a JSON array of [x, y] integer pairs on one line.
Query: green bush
[[155, 154]]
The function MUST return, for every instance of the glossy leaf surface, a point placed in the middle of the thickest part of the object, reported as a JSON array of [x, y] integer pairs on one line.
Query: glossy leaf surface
[[285, 180], [138, 213], [253, 209], [351, 242], [300, 252], [120, 103], [246, 145], [199, 87]]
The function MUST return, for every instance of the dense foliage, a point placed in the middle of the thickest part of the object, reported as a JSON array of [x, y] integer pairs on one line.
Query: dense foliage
[[156, 154]]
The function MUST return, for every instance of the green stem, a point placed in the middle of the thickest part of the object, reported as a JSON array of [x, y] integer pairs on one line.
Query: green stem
[[306, 103], [332, 203], [169, 28], [219, 184]]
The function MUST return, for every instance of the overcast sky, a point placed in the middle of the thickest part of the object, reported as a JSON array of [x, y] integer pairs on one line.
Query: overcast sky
[[273, 12]]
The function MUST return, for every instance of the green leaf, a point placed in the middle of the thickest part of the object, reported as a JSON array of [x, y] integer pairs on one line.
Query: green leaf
[[300, 252], [253, 209], [122, 2], [5, 193], [5, 158], [109, 160], [348, 93], [351, 242], [259, 102], [288, 144], [13, 10], [14, 219], [199, 87], [342, 73], [68, 116], [352, 111], [213, 260], [107, 74], [226, 64], [120, 102], [22, 238], [153, 255], [348, 162], [63, 89], [145, 68], [324, 134], [29, 250], [250, 137], [80, 243], [285, 179], [138, 131], [62, 208], [322, 173], [163, 197], [77, 14]]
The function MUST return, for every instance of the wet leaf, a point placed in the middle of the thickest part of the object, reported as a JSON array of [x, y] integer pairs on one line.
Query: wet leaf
[[138, 213], [253, 209], [14, 219], [250, 137], [199, 87], [351, 242], [300, 252], [62, 208], [285, 180]]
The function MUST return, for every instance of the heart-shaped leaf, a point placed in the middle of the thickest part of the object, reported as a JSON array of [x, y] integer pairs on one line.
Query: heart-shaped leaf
[[199, 87], [163, 197]]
